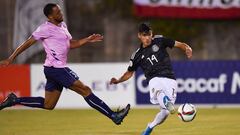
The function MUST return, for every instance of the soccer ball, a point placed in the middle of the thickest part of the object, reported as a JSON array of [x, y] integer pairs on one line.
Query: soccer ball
[[187, 112]]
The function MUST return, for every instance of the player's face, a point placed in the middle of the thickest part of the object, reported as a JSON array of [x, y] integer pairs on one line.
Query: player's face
[[57, 14], [146, 38]]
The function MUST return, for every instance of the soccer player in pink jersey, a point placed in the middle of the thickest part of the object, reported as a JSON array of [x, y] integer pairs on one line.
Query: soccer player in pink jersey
[[57, 41]]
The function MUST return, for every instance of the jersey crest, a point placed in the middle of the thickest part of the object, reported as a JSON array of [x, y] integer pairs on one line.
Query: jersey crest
[[155, 48], [130, 63]]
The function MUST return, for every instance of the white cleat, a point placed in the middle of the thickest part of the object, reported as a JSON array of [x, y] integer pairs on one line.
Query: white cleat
[[170, 107]]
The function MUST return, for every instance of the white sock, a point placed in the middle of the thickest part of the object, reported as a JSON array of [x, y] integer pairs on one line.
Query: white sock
[[159, 119]]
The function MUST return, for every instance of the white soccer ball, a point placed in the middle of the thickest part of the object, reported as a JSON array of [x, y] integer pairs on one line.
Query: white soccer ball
[[187, 112]]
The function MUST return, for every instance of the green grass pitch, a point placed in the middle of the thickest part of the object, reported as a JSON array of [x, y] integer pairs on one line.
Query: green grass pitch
[[90, 122]]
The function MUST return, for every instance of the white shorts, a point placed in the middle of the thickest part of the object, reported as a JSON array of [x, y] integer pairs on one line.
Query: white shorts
[[163, 85]]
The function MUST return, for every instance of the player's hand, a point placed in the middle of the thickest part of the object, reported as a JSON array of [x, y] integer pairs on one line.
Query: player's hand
[[114, 81], [189, 52], [95, 38], [5, 62]]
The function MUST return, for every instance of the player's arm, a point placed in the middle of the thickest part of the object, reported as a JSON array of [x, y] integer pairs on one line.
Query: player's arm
[[124, 77], [92, 38], [186, 48], [30, 41], [133, 65]]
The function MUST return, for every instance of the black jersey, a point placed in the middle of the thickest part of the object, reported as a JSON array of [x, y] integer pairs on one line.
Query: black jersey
[[154, 59]]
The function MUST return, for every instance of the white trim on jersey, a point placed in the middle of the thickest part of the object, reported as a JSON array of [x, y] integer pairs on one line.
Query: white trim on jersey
[[134, 53]]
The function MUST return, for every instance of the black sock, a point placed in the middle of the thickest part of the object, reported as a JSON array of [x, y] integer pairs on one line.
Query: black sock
[[37, 102], [99, 105]]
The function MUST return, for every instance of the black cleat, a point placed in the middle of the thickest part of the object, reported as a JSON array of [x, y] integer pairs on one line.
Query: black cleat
[[9, 101], [120, 115]]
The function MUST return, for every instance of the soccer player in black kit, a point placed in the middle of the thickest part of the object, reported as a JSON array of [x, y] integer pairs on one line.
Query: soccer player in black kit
[[154, 60]]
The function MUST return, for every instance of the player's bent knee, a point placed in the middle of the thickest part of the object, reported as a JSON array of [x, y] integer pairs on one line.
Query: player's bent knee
[[49, 107], [86, 91], [81, 89]]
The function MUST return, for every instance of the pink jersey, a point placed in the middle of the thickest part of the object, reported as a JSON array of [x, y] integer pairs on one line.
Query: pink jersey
[[56, 42]]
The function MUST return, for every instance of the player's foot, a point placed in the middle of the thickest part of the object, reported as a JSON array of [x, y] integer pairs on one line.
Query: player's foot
[[9, 101], [148, 131], [120, 115], [170, 107]]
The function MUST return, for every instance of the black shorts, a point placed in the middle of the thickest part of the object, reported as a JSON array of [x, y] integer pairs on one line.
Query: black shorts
[[57, 78]]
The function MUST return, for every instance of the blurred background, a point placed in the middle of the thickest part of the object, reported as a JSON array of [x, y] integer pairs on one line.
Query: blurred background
[[210, 27], [210, 80], [211, 37]]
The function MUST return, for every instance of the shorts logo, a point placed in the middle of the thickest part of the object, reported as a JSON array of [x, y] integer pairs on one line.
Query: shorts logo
[[74, 74], [155, 48], [153, 90], [130, 63]]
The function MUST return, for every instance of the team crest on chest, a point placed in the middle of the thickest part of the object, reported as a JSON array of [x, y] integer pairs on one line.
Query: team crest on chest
[[155, 48]]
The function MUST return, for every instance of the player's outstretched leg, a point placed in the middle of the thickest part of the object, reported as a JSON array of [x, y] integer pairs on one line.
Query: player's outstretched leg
[[12, 100], [96, 103], [159, 119], [147, 131]]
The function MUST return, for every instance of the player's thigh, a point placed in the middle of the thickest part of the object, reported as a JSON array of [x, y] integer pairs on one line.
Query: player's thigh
[[51, 98]]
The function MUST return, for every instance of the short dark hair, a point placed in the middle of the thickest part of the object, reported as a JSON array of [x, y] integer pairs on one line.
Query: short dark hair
[[144, 27], [47, 10]]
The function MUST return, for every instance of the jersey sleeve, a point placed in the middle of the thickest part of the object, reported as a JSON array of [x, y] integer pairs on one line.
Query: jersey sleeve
[[166, 42], [40, 33], [133, 64]]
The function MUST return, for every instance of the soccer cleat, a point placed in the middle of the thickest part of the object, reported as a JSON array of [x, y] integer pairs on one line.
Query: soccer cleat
[[148, 131], [118, 116], [170, 107], [9, 101]]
